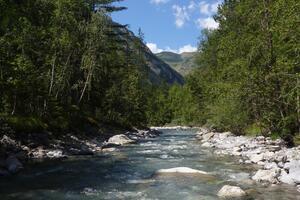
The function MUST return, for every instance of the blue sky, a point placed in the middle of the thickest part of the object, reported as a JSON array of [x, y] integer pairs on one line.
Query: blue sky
[[169, 25]]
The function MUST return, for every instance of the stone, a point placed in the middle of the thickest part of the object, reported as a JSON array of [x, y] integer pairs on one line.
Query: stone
[[207, 144], [271, 165], [255, 158], [55, 154], [294, 171], [120, 140], [109, 149], [237, 149], [274, 148], [286, 178], [267, 176], [207, 136], [228, 191], [184, 170], [269, 155], [13, 165]]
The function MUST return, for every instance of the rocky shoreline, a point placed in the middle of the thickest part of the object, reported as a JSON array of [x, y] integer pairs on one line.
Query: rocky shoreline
[[277, 164], [15, 154]]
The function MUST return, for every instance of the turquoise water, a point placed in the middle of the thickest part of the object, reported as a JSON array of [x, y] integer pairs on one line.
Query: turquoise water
[[129, 174]]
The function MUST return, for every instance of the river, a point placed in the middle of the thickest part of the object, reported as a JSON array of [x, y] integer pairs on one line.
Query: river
[[129, 174]]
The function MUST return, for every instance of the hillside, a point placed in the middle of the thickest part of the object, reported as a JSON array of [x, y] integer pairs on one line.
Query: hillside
[[159, 70], [183, 63]]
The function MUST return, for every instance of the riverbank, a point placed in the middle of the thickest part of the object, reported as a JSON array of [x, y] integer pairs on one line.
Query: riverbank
[[16, 151], [277, 164]]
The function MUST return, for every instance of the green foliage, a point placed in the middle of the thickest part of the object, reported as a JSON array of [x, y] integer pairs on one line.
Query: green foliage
[[248, 77], [66, 62], [26, 124]]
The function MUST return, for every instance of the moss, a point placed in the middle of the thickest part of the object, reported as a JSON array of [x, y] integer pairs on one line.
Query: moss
[[297, 140], [253, 130]]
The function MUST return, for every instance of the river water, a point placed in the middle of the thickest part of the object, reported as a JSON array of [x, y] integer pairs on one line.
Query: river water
[[129, 174]]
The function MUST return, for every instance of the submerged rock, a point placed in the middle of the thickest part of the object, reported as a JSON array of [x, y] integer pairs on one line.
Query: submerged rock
[[229, 191], [4, 172], [13, 165], [183, 170]]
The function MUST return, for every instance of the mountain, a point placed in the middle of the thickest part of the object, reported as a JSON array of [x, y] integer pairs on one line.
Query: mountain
[[158, 70], [183, 63]]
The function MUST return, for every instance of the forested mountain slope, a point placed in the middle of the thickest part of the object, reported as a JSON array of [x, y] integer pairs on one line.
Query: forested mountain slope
[[158, 70]]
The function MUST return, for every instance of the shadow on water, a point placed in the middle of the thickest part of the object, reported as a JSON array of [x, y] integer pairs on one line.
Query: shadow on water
[[129, 173]]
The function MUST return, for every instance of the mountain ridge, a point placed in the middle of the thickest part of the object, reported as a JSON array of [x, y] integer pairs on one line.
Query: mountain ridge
[[183, 63]]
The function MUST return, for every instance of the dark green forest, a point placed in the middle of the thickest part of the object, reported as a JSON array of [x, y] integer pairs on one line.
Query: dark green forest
[[65, 63]]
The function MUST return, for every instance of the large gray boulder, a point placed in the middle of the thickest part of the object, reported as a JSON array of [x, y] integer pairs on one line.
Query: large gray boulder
[[229, 191], [293, 177], [119, 140], [267, 176]]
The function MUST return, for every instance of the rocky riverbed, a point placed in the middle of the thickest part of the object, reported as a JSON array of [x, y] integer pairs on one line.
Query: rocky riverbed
[[15, 153], [277, 164]]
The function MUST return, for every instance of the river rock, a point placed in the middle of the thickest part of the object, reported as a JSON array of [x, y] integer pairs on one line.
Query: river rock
[[207, 136], [207, 144], [183, 170], [286, 178], [255, 158], [55, 154], [120, 140], [267, 176], [13, 165], [294, 171], [229, 191], [271, 165]]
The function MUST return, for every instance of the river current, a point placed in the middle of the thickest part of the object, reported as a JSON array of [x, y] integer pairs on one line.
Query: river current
[[129, 173]]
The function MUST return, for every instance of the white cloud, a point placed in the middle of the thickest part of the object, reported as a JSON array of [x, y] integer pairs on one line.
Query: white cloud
[[186, 48], [159, 1], [208, 23], [181, 15], [154, 48], [192, 6], [204, 8], [214, 7]]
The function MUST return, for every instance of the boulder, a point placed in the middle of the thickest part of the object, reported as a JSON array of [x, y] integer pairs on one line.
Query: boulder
[[255, 158], [182, 170], [267, 176], [13, 165], [207, 144], [294, 171], [55, 154], [120, 140], [229, 191], [207, 136], [271, 165], [286, 178]]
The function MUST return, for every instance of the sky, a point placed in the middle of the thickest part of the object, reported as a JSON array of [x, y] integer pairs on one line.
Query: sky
[[169, 25]]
